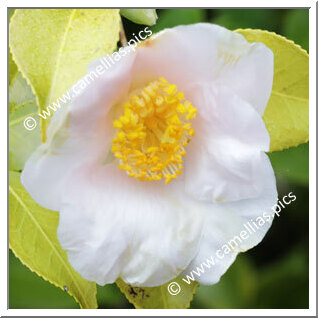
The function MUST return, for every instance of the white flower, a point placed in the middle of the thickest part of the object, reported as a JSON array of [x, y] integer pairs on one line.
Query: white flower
[[134, 117]]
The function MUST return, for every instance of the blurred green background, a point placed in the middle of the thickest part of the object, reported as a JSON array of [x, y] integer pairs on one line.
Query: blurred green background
[[272, 275]]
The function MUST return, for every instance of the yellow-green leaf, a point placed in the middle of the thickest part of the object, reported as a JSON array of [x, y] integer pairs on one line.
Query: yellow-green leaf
[[287, 113], [12, 66], [11, 11], [159, 297], [52, 47], [22, 105], [32, 238], [140, 16], [12, 69]]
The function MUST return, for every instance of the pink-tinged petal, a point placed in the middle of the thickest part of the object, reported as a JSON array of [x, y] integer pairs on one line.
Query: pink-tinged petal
[[115, 226]]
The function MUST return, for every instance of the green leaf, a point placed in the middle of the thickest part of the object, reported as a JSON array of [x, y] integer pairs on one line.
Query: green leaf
[[159, 297], [140, 16], [110, 296], [292, 164], [22, 104], [27, 290], [287, 113], [32, 238], [232, 19], [11, 11], [172, 17], [52, 47], [284, 283], [237, 288], [13, 70], [296, 26]]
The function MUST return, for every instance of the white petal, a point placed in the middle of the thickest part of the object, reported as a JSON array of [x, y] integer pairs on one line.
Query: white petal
[[208, 53], [79, 132], [251, 76], [223, 158], [115, 226], [225, 223]]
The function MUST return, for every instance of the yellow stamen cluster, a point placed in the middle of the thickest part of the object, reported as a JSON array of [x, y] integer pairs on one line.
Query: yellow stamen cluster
[[153, 132]]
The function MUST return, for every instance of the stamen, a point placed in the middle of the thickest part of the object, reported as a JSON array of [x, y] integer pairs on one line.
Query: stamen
[[153, 132]]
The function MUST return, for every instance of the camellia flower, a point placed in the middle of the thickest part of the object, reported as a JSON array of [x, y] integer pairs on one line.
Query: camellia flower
[[161, 160]]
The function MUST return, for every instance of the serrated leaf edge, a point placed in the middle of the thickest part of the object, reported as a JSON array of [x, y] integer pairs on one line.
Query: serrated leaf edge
[[275, 35], [57, 253], [24, 75], [303, 51]]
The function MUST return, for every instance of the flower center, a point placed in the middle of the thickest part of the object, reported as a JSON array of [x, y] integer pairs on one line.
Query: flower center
[[153, 132]]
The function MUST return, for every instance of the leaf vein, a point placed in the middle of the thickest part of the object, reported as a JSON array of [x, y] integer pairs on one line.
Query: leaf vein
[[19, 200]]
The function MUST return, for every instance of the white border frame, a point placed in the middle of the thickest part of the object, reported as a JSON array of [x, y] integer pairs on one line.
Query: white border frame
[[312, 166]]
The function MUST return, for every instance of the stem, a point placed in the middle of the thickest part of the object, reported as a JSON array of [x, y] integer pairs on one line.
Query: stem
[[122, 35]]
